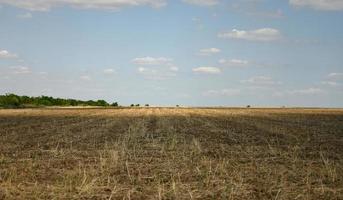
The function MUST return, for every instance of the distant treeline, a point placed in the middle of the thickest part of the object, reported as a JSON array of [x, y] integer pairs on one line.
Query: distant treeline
[[15, 101]]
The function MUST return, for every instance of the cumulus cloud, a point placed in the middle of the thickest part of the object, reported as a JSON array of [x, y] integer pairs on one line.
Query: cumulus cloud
[[20, 70], [330, 83], [276, 14], [329, 5], [173, 68], [156, 68], [195, 19], [46, 5], [109, 71], [151, 61], [333, 79], [156, 74], [142, 69], [261, 35], [207, 70], [234, 62], [42, 73], [85, 78], [299, 92], [309, 91], [335, 76], [222, 92], [209, 51], [261, 80], [25, 16], [202, 2], [7, 54]]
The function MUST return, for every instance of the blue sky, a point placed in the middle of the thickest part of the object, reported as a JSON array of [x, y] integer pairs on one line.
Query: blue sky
[[186, 52]]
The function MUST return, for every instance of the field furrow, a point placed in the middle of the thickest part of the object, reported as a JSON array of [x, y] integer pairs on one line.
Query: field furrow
[[165, 153]]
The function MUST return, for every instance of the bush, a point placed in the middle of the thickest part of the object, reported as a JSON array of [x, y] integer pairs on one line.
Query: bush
[[9, 101], [101, 103], [15, 101]]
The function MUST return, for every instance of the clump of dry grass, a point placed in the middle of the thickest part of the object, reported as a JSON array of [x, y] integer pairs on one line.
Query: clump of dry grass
[[157, 153]]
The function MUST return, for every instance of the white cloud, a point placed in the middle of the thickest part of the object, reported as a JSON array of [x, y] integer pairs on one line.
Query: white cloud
[[319, 4], [209, 51], [156, 68], [155, 74], [202, 2], [330, 83], [277, 14], [42, 73], [142, 69], [333, 79], [253, 8], [46, 5], [335, 76], [207, 70], [222, 92], [25, 16], [20, 70], [7, 54], [151, 61], [312, 91], [309, 91], [262, 35], [85, 78], [198, 22], [195, 19], [109, 71], [173, 68], [261, 80], [234, 62]]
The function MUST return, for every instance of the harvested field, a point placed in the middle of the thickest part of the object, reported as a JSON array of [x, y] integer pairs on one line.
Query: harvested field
[[165, 153]]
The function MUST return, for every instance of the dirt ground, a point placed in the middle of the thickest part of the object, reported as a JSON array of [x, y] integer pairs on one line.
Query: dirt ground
[[165, 153]]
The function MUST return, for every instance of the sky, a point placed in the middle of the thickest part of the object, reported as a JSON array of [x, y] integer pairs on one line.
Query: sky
[[175, 52]]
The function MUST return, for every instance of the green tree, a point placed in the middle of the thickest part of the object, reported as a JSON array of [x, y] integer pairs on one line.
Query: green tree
[[101, 103], [10, 100]]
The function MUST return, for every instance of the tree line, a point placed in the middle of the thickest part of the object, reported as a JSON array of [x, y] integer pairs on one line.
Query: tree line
[[16, 101]]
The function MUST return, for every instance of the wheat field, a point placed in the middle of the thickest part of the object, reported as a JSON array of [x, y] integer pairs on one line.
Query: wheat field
[[171, 153]]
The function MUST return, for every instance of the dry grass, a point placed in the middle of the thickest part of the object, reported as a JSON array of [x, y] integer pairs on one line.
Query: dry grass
[[160, 153]]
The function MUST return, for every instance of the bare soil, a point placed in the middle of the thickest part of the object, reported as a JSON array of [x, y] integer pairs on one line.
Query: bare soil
[[165, 153]]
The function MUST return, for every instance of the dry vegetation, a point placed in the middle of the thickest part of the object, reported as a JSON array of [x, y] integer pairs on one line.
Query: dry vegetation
[[160, 153]]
